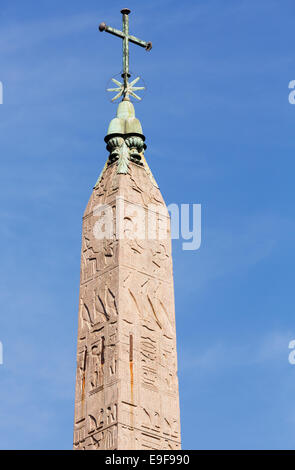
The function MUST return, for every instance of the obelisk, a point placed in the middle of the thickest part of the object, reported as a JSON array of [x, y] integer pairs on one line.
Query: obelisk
[[126, 384]]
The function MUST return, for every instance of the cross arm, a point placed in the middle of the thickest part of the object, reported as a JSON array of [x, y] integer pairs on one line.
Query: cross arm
[[139, 42], [109, 29], [120, 34]]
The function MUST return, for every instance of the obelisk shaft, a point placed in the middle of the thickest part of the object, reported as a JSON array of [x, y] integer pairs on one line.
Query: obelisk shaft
[[127, 387]]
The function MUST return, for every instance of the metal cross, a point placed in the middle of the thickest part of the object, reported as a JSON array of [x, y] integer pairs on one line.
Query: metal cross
[[125, 89]]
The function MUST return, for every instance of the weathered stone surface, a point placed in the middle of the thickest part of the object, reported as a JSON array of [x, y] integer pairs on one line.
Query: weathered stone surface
[[126, 385]]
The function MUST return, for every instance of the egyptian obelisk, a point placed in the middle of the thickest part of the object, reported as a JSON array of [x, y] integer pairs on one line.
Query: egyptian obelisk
[[126, 384]]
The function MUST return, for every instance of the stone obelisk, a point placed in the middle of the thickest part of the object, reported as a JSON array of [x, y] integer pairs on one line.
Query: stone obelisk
[[126, 385]]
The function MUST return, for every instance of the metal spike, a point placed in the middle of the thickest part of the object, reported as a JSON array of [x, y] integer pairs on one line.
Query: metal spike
[[134, 81], [113, 89], [118, 95], [135, 95], [117, 82]]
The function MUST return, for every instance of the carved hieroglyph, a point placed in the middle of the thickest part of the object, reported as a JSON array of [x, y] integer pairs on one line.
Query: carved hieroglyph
[[126, 385]]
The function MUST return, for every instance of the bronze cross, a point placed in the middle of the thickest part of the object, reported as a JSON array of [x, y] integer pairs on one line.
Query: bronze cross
[[126, 38]]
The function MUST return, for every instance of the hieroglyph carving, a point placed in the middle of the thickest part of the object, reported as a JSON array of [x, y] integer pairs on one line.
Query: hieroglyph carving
[[126, 385]]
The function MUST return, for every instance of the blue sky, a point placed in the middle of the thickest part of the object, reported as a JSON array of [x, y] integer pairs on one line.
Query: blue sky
[[220, 132]]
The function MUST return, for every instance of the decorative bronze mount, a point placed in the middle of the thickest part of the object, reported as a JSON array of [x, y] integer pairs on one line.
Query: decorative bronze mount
[[125, 149]]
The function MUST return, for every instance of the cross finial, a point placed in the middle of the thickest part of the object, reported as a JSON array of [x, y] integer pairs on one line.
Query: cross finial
[[125, 89]]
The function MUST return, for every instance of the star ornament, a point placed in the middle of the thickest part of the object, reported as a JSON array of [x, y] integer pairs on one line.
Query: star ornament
[[127, 91]]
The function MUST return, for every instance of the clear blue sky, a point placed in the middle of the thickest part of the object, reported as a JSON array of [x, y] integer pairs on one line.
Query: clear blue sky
[[220, 132]]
